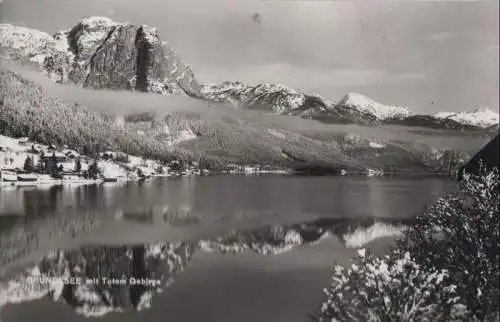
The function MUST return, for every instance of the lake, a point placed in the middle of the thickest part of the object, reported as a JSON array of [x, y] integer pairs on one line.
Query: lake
[[216, 248]]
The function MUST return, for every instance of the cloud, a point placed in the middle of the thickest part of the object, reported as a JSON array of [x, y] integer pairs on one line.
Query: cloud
[[294, 76], [441, 36]]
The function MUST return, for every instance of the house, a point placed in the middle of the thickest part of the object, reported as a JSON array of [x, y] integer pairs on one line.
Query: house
[[108, 155], [71, 154], [145, 171], [68, 166], [13, 159], [71, 177], [51, 148], [488, 156], [23, 141], [60, 157], [36, 148], [85, 167], [233, 166], [249, 169], [6, 159]]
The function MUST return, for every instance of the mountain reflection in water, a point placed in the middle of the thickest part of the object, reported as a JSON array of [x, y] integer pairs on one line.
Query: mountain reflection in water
[[100, 279]]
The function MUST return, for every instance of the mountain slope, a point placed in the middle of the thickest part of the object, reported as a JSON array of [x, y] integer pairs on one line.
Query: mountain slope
[[100, 53], [432, 122], [27, 110], [217, 139]]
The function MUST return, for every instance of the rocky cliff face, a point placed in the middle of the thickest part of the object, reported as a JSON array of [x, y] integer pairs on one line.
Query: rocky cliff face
[[100, 53]]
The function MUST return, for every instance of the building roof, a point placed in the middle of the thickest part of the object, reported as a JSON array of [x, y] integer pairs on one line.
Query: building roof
[[49, 154]]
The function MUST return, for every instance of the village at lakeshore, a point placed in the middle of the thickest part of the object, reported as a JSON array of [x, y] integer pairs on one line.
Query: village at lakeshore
[[26, 163]]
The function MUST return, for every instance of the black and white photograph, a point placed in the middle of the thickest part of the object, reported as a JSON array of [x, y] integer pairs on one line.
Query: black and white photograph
[[249, 161]]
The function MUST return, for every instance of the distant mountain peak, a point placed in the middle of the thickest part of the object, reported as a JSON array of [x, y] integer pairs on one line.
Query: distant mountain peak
[[481, 117], [366, 104], [484, 110]]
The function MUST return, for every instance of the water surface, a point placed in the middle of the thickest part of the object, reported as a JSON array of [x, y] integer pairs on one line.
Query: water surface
[[221, 248]]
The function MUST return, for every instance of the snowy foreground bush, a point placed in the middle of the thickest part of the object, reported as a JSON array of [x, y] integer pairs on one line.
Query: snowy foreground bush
[[446, 267]]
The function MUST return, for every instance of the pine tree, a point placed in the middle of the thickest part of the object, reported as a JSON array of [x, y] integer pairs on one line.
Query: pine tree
[[93, 170], [42, 164], [28, 165], [78, 165], [52, 165]]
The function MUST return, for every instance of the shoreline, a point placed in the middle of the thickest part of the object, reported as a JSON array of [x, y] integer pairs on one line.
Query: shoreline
[[284, 173]]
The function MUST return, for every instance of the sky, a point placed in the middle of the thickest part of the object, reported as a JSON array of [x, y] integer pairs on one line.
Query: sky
[[428, 55]]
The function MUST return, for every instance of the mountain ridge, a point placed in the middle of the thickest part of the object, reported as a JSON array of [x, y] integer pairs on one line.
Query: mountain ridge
[[352, 108], [98, 52], [220, 140]]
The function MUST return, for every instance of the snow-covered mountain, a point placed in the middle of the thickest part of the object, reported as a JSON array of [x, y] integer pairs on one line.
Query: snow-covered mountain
[[352, 108], [365, 104], [276, 98], [279, 99], [100, 53], [481, 117]]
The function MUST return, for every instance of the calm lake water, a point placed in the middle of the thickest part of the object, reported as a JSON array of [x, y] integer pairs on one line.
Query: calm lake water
[[222, 248]]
